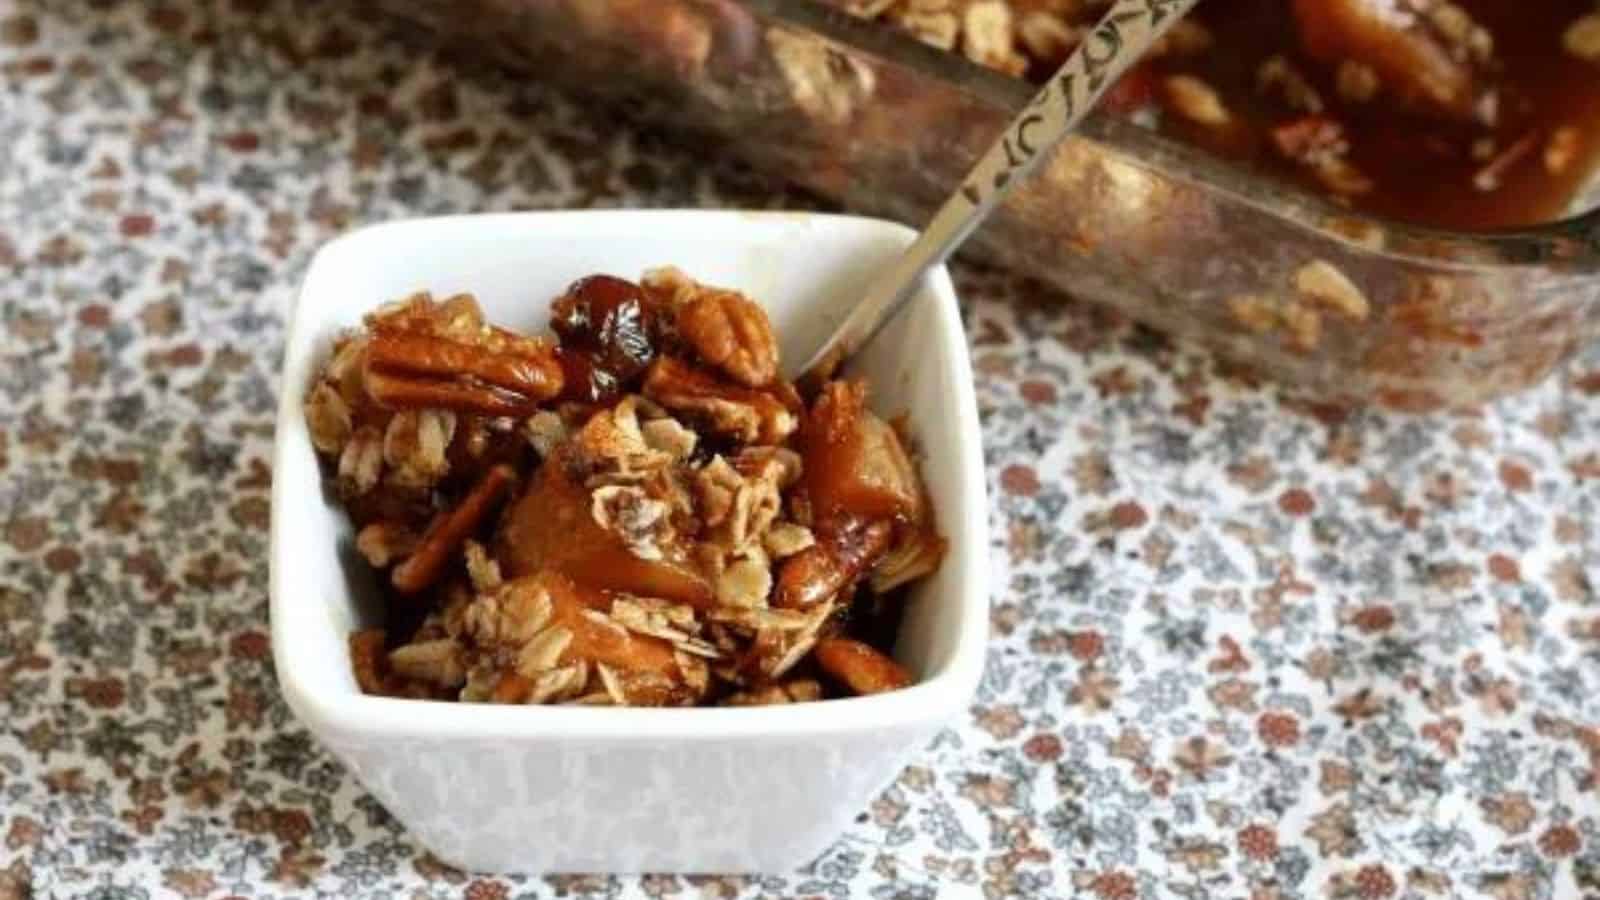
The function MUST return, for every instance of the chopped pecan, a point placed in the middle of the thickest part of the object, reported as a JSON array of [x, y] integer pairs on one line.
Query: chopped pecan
[[613, 441], [1319, 144], [545, 431], [1329, 287], [458, 316], [820, 572], [1582, 37], [415, 447], [385, 543], [1048, 37], [1256, 313], [732, 411], [367, 660], [1196, 101], [1281, 76], [934, 27], [1357, 82], [1302, 327], [328, 419], [826, 84], [449, 529], [799, 691], [988, 37], [860, 667], [1561, 149], [374, 674], [361, 462]]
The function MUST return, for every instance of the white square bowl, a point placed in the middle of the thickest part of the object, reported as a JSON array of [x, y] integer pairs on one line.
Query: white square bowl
[[569, 789]]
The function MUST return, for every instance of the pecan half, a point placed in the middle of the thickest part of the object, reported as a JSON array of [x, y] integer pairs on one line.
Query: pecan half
[[731, 333], [426, 355], [531, 372]]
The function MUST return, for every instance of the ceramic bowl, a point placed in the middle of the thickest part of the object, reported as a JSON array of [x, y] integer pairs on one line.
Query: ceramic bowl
[[570, 789]]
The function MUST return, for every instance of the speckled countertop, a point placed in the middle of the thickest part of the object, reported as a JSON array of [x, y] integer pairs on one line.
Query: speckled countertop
[[1241, 648]]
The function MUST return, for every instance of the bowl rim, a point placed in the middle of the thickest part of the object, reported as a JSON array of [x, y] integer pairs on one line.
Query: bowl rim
[[346, 712]]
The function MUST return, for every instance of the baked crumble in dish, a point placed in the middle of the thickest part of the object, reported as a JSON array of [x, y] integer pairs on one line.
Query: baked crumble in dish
[[1465, 114], [636, 510]]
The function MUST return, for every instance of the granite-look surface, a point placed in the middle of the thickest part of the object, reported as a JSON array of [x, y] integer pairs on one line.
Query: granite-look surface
[[1242, 648]]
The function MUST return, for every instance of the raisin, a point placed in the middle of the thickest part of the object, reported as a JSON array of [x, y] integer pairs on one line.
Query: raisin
[[610, 333]]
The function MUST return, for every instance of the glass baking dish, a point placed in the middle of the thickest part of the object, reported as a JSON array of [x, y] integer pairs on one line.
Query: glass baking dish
[[1343, 307]]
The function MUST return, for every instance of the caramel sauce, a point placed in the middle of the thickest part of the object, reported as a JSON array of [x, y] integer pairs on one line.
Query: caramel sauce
[[1423, 164]]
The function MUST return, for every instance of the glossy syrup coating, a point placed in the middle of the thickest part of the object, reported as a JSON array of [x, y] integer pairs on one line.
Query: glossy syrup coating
[[611, 330]]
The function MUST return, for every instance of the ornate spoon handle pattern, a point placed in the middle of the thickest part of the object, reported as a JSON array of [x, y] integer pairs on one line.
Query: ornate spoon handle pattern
[[1114, 44]]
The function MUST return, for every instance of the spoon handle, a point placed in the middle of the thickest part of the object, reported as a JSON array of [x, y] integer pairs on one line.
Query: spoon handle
[[1115, 43]]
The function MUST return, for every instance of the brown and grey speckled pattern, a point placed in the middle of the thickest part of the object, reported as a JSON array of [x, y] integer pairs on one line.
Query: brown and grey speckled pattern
[[1241, 648]]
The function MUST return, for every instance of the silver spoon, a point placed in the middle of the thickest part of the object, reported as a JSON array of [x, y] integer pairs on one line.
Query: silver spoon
[[1115, 43]]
